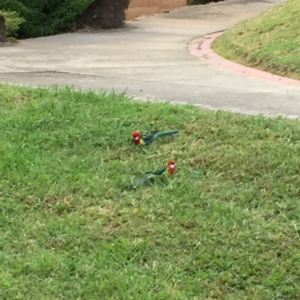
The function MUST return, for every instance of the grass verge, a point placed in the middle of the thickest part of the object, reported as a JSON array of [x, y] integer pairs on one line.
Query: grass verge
[[270, 41], [226, 228]]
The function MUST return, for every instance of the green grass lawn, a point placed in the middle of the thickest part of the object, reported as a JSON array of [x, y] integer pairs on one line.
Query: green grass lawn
[[270, 41], [226, 227]]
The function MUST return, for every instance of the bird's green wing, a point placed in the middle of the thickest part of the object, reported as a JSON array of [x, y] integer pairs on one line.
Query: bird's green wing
[[151, 174], [148, 132], [160, 170], [150, 137]]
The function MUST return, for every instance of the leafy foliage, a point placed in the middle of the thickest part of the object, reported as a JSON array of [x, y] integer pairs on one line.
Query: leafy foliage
[[46, 17], [12, 21]]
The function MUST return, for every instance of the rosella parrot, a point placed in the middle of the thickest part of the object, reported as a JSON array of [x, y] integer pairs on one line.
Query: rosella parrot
[[168, 169], [144, 138]]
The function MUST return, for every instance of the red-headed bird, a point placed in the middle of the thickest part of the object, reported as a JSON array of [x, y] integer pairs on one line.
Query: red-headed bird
[[144, 138], [168, 169]]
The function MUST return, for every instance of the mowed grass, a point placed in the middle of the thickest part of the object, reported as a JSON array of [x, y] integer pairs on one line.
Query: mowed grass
[[225, 227], [270, 41]]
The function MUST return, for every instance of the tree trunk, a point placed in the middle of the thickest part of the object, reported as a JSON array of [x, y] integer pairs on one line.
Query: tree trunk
[[2, 30], [103, 14]]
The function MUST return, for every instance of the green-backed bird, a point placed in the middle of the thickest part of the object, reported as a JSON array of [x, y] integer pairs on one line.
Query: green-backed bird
[[168, 169], [144, 138]]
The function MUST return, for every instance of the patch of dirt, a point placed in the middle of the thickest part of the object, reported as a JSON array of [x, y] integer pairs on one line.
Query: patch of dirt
[[10, 41], [103, 14]]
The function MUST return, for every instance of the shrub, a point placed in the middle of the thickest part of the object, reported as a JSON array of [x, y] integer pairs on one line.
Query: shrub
[[12, 21], [47, 17]]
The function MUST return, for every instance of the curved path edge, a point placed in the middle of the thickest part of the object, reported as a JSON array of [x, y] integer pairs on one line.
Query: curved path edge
[[201, 48]]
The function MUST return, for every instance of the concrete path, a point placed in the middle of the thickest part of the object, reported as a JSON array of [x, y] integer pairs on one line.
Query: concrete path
[[150, 59]]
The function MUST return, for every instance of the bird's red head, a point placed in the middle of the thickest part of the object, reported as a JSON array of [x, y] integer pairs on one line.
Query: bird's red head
[[136, 137], [171, 166]]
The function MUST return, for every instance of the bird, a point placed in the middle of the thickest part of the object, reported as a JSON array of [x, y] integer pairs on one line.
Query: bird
[[142, 138], [167, 169]]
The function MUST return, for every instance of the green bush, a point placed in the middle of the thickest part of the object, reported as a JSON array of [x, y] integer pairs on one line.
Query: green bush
[[12, 21], [48, 17], [45, 17]]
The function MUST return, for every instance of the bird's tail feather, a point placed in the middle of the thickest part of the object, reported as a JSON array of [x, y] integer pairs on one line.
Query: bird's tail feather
[[141, 181], [165, 133]]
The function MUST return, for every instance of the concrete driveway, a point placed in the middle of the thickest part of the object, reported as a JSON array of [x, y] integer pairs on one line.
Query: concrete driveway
[[150, 59]]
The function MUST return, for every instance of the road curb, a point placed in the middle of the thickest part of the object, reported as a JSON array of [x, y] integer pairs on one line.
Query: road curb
[[201, 48]]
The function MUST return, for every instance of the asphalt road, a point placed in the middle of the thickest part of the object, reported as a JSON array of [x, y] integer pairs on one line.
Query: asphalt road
[[150, 59]]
